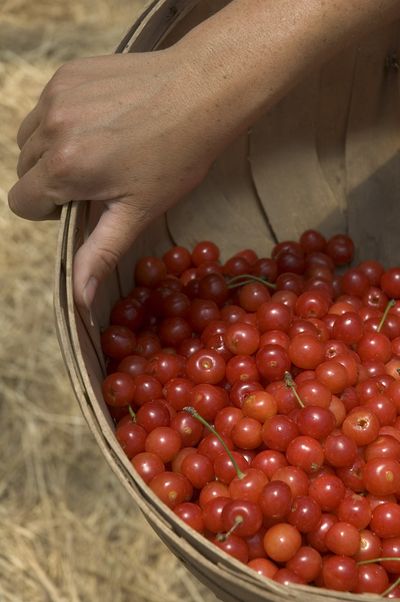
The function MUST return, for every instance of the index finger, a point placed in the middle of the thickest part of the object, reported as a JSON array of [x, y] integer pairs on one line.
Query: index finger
[[32, 198], [28, 126]]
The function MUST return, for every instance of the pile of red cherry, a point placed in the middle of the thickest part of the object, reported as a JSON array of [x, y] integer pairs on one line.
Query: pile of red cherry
[[260, 400]]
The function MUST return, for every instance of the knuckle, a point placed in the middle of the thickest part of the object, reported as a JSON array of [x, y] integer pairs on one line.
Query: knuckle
[[62, 162], [54, 121], [53, 90], [108, 258], [58, 83], [67, 68]]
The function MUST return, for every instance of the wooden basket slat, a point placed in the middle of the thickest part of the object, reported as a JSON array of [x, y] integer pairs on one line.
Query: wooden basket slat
[[331, 119], [223, 208], [200, 12], [286, 169], [372, 149], [233, 174], [148, 32]]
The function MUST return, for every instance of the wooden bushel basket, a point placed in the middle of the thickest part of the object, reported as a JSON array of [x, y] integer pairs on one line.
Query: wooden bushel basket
[[326, 157]]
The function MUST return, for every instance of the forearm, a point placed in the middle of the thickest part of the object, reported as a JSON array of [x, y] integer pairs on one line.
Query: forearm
[[253, 51]]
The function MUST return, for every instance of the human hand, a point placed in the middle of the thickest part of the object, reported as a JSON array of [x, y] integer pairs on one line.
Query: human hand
[[127, 130], [139, 131]]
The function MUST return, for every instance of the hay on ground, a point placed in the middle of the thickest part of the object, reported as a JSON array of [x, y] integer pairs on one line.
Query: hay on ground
[[69, 531]]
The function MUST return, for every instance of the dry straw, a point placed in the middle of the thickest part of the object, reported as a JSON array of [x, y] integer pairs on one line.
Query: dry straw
[[69, 531]]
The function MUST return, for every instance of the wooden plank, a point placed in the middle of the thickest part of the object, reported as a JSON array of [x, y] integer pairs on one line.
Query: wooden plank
[[335, 90], [148, 32], [286, 169], [372, 150], [224, 208]]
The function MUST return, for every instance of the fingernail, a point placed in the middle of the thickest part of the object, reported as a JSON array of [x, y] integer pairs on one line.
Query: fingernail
[[89, 292]]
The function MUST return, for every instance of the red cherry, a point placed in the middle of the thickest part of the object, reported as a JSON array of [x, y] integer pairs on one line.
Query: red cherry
[[128, 312], [355, 509], [316, 537], [191, 514], [327, 491], [244, 515], [118, 342], [251, 296], [355, 282], [263, 567], [382, 476], [305, 351], [333, 375], [153, 414], [275, 500], [312, 304], [305, 514], [340, 573], [278, 432], [385, 521], [242, 338], [133, 365], [272, 362], [390, 283], [131, 437], [311, 240], [372, 578], [165, 442], [118, 389], [269, 461], [306, 453], [391, 549], [172, 488], [177, 260], [281, 542], [370, 546], [234, 546], [374, 346], [343, 539], [205, 251], [205, 366], [306, 563], [260, 406], [149, 272], [208, 400], [341, 249], [272, 315], [148, 465], [212, 513]]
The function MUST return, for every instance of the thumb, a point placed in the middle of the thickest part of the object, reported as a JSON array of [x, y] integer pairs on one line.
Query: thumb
[[97, 257]]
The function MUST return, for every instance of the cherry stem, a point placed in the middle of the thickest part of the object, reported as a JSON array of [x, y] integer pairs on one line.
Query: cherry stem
[[224, 536], [391, 587], [389, 306], [132, 413], [375, 560], [289, 382], [248, 279], [204, 422]]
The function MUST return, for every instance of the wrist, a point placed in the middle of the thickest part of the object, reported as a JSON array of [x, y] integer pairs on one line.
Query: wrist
[[248, 55]]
